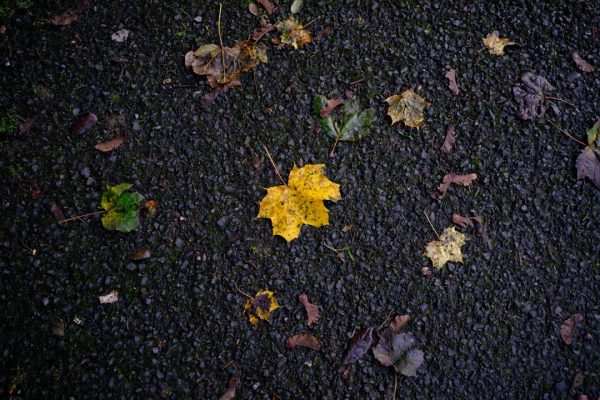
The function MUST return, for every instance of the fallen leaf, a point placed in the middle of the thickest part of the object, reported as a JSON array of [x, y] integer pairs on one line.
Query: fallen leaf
[[398, 350], [466, 221], [70, 15], [576, 383], [312, 311], [592, 134], [293, 33], [588, 166], [567, 329], [447, 248], [398, 322], [496, 44], [583, 65], [83, 123], [450, 139], [261, 30], [267, 6], [451, 76], [464, 180], [531, 95], [60, 217], [347, 228], [253, 8], [407, 107], [111, 144], [121, 207], [297, 6], [231, 388], [359, 345], [329, 106], [305, 340], [25, 125], [109, 298], [141, 254], [300, 201], [151, 206], [261, 306], [120, 36]]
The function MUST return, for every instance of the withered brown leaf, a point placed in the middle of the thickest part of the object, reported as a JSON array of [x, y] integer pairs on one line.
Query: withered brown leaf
[[330, 105], [583, 65], [305, 340], [359, 345], [588, 166], [58, 214], [464, 180], [450, 139], [141, 254], [111, 144], [567, 329], [466, 221], [231, 388], [312, 311], [451, 76], [70, 15]]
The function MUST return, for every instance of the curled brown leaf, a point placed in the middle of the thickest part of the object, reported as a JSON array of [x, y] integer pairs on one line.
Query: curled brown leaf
[[452, 178], [330, 105], [312, 311], [231, 388], [111, 144], [583, 65], [450, 139], [451, 76], [305, 340], [70, 15], [141, 254], [83, 123], [466, 221], [567, 329], [359, 345], [588, 166], [58, 214]]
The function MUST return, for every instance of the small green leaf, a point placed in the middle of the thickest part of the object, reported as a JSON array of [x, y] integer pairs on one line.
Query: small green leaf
[[358, 126], [318, 104], [121, 207], [328, 127]]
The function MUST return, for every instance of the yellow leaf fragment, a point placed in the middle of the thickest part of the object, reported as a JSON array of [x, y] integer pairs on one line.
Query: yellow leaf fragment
[[448, 248], [293, 33], [407, 107], [496, 44], [261, 306], [300, 202]]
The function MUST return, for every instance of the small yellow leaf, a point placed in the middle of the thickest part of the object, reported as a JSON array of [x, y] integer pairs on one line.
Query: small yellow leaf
[[293, 33], [448, 248], [261, 306], [300, 202], [407, 107], [496, 44]]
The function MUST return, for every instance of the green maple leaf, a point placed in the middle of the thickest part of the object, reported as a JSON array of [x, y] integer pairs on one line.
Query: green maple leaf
[[121, 207]]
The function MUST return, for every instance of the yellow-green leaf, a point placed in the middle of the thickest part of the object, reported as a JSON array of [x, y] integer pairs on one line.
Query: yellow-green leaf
[[407, 107], [293, 33], [447, 248], [496, 44], [261, 306]]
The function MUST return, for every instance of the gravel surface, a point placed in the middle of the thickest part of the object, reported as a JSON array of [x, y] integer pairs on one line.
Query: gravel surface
[[489, 327]]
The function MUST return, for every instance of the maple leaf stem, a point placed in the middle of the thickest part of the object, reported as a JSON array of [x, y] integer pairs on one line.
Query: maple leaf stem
[[242, 292], [430, 224], [567, 134], [310, 22], [267, 31], [561, 100], [274, 166], [82, 216], [332, 152], [219, 25]]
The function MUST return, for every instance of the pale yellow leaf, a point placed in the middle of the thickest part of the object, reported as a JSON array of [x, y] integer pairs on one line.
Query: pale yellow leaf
[[496, 44], [407, 107], [447, 248]]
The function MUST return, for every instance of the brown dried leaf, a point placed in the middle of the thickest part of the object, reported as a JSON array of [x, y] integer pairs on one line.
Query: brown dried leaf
[[312, 311], [464, 180], [83, 123], [70, 15], [231, 388], [582, 64], [267, 5], [151, 206], [359, 345], [60, 217], [588, 166], [36, 191], [450, 139], [330, 105], [576, 384], [306, 340], [466, 221], [451, 76], [261, 30], [111, 144], [141, 254], [567, 329], [398, 322], [25, 125], [293, 33], [253, 8]]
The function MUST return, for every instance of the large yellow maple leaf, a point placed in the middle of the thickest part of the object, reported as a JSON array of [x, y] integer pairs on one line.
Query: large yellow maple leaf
[[447, 248], [300, 201]]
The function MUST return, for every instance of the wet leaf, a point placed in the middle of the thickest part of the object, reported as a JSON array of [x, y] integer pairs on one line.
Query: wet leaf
[[300, 201], [109, 298], [262, 30], [496, 44], [567, 329], [592, 134], [70, 15], [583, 65], [359, 345], [261, 306], [25, 125], [452, 178], [305, 340], [312, 311], [58, 214], [588, 166], [120, 36], [576, 383], [231, 388], [83, 123], [407, 107], [329, 106], [293, 33], [121, 207], [466, 221], [398, 349], [451, 76], [111, 144], [297, 6], [141, 254], [450, 139], [531, 95], [399, 322], [447, 248], [151, 206]]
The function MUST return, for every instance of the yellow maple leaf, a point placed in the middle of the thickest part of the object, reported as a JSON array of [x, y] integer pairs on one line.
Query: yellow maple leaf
[[293, 33], [496, 44], [407, 107], [261, 306], [300, 201], [447, 248]]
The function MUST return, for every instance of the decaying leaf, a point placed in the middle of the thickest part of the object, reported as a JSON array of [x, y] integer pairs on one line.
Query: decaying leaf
[[464, 180], [25, 125], [261, 31], [83, 123], [305, 340], [398, 350], [231, 388], [330, 104], [466, 221], [496, 44], [300, 201], [111, 144], [312, 311], [447, 248], [121, 207], [359, 345], [141, 254], [297, 6], [588, 166], [450, 139], [407, 107], [592, 134], [267, 5], [109, 298], [293, 33], [531, 95], [567, 329], [120, 36], [253, 8], [70, 15], [576, 383], [58, 214], [398, 322], [451, 76], [260, 306], [583, 65], [151, 206]]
